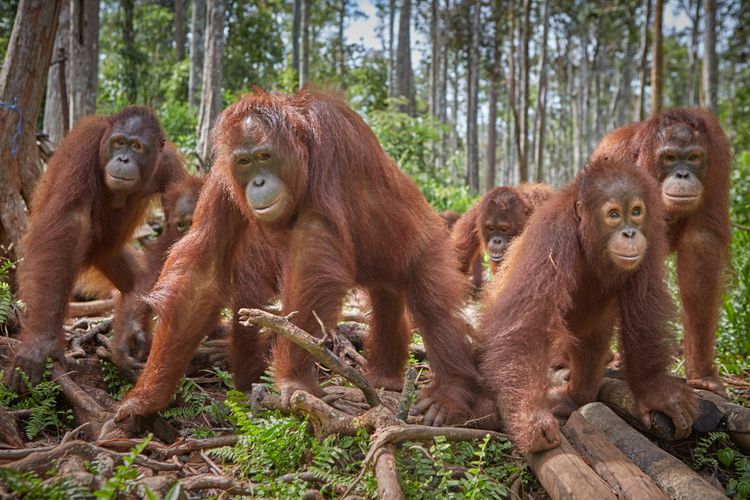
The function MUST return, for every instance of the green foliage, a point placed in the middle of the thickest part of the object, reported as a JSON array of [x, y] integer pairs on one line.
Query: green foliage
[[194, 401], [29, 485], [6, 295], [715, 452], [117, 385], [124, 477], [42, 400]]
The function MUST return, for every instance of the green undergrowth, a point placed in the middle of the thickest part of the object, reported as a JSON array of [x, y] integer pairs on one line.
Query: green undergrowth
[[716, 455]]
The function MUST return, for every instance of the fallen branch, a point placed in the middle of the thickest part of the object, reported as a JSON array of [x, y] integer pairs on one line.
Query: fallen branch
[[85, 408], [386, 473], [622, 475], [76, 347], [90, 308], [322, 354], [736, 417], [564, 474], [673, 477], [407, 394], [214, 482]]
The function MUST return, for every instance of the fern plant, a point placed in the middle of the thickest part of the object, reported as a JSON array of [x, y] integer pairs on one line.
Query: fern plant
[[124, 478]]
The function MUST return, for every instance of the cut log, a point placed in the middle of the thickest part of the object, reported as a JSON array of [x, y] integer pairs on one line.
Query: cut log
[[675, 478], [90, 308], [616, 394], [622, 475], [736, 417], [565, 475]]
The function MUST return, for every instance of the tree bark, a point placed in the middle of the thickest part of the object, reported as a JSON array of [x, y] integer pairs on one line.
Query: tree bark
[[656, 67], [489, 167], [541, 99], [54, 124], [472, 141], [512, 95], [84, 57], [296, 19], [403, 58], [212, 66], [434, 57], [710, 97], [22, 80], [640, 111], [129, 60], [197, 28], [523, 159], [693, 77], [391, 48], [304, 57], [179, 29]]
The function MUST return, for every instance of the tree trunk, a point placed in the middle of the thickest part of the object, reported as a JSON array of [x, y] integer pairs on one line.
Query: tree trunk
[[656, 69], [55, 125], [443, 102], [295, 34], [640, 111], [489, 167], [197, 28], [304, 57], [22, 80], [179, 29], [523, 159], [129, 60], [435, 56], [341, 68], [212, 66], [391, 48], [625, 87], [541, 99], [472, 77], [84, 57], [693, 78], [710, 97], [403, 58]]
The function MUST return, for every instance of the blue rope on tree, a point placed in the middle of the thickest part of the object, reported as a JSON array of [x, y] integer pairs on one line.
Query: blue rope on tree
[[18, 136]]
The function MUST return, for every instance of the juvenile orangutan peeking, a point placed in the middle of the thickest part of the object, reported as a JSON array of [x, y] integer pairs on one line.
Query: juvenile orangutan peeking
[[305, 175], [590, 258]]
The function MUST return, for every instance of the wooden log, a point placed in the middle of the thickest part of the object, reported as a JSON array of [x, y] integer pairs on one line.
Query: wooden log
[[90, 308], [616, 394], [675, 478], [565, 475], [386, 473], [736, 417], [622, 475]]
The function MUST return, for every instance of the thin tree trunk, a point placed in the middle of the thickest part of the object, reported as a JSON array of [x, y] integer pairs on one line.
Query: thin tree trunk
[[541, 99], [341, 70], [443, 102], [489, 167], [84, 58], [523, 159], [625, 86], [22, 80], [435, 56], [55, 125], [129, 59], [693, 78], [512, 96], [403, 58], [710, 97], [455, 81], [640, 111], [212, 73], [197, 28], [391, 48], [179, 29], [656, 68], [472, 142], [295, 33], [304, 57]]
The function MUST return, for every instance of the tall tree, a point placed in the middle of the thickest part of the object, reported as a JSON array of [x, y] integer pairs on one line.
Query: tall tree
[[523, 159], [391, 47], [640, 112], [55, 110], [130, 62], [179, 29], [656, 66], [304, 57], [693, 11], [197, 29], [403, 58], [84, 57], [22, 80], [513, 96], [340, 65], [541, 98], [211, 96], [435, 42], [296, 20], [472, 76], [710, 97], [493, 76]]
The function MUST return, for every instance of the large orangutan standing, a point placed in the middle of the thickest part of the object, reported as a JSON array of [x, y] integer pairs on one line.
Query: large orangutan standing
[[589, 259], [88, 203], [687, 151], [309, 176]]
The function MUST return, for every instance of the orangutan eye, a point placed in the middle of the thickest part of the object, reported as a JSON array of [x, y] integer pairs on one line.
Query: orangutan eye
[[613, 214], [693, 158], [670, 158], [636, 212], [137, 147], [244, 161], [182, 226], [264, 157], [119, 143]]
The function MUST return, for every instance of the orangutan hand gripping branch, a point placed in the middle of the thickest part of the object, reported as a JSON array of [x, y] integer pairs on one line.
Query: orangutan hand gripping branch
[[688, 153], [307, 180], [491, 224], [589, 259], [85, 209]]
